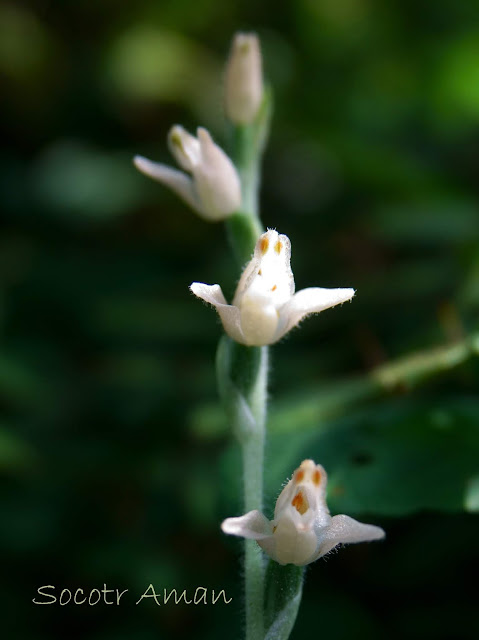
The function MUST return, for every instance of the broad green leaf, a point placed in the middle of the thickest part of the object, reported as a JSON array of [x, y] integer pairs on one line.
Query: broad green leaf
[[392, 459], [15, 453], [309, 408]]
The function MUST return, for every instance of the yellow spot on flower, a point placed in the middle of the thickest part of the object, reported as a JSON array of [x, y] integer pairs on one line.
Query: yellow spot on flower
[[299, 476], [263, 245], [317, 477], [278, 246], [274, 288], [300, 503], [176, 140]]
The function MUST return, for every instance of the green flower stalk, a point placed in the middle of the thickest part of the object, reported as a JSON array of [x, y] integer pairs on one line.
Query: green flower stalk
[[242, 374]]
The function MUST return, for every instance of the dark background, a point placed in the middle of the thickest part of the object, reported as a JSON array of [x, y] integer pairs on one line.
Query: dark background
[[116, 463]]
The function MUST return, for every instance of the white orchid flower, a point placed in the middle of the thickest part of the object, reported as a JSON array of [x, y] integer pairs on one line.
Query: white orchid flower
[[265, 306], [213, 190], [244, 79], [302, 529]]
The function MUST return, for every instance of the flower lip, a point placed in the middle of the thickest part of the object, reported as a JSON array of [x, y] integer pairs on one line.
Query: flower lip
[[184, 147]]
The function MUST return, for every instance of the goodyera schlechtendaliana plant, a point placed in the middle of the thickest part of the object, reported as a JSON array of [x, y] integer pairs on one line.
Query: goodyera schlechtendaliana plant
[[264, 308], [302, 529]]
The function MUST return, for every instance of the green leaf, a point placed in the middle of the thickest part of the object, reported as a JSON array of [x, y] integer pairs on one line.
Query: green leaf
[[308, 408], [15, 453], [471, 497], [239, 370], [283, 589], [392, 459]]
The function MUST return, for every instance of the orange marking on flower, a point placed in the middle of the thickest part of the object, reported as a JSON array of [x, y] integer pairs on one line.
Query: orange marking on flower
[[299, 476], [299, 503], [317, 477], [274, 288], [263, 245], [278, 246]]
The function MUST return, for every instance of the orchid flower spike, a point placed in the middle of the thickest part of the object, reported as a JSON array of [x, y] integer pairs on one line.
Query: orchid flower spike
[[265, 306], [302, 529], [214, 189]]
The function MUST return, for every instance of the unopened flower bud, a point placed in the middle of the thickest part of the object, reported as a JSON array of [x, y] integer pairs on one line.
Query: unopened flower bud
[[244, 79], [214, 189]]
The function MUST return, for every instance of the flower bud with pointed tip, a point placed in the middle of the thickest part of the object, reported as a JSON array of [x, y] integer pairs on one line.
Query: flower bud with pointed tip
[[244, 79], [213, 190]]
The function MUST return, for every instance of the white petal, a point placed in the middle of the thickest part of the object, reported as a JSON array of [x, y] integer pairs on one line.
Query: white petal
[[253, 525], [259, 322], [346, 530], [311, 300], [230, 315], [269, 269], [249, 272], [216, 179], [210, 152], [210, 293], [293, 542], [311, 478], [176, 180], [184, 147], [266, 284]]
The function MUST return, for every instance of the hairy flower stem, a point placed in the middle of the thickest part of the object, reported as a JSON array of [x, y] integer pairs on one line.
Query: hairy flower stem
[[243, 375], [242, 382], [253, 459], [244, 227]]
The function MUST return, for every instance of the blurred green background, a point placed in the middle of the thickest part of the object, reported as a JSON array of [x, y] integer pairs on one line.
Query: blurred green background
[[116, 463]]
